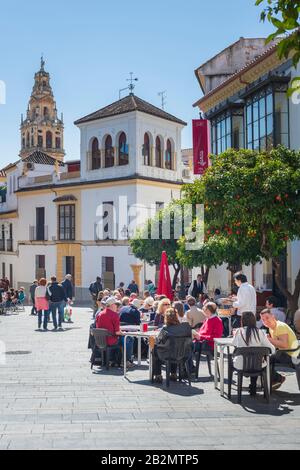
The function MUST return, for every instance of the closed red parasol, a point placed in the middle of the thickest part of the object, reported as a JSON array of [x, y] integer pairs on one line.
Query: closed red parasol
[[165, 285]]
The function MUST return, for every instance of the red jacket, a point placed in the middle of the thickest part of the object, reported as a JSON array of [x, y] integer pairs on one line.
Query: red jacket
[[212, 328], [109, 320]]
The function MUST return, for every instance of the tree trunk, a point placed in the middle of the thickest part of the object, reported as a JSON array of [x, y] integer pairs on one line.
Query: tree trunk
[[205, 274], [292, 299]]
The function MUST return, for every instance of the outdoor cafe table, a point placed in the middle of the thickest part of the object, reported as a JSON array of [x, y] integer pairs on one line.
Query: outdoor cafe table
[[135, 332], [220, 346]]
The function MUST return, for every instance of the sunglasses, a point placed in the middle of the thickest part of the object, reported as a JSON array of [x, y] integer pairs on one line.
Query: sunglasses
[[167, 305]]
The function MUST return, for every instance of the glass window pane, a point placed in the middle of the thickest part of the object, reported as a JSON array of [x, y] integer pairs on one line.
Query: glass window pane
[[263, 143], [249, 114], [262, 127], [255, 130], [262, 107], [269, 103], [249, 134], [256, 145], [255, 111]]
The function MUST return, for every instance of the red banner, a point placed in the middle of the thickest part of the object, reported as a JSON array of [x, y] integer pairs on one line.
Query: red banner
[[201, 143]]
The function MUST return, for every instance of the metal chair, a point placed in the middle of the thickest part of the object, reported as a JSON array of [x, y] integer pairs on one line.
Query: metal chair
[[253, 359], [100, 335]]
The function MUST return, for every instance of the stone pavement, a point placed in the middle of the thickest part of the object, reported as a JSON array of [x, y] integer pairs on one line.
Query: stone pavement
[[50, 399]]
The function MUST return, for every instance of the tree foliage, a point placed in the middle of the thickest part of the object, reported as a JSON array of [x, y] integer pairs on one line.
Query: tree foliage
[[284, 15], [252, 207]]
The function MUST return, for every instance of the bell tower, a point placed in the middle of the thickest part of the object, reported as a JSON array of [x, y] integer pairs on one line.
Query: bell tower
[[42, 130]]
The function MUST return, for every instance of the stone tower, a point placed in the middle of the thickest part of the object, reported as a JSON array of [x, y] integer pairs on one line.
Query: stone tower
[[42, 130]]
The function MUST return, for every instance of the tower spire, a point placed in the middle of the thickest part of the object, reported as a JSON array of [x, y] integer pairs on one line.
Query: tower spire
[[42, 63]]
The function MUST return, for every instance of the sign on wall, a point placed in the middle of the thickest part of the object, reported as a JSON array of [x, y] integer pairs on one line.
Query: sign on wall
[[201, 145]]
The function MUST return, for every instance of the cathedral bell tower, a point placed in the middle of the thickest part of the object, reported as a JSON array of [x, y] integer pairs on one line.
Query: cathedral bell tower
[[42, 130]]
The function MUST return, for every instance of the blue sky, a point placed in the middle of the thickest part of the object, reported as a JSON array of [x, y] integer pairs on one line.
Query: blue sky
[[91, 46]]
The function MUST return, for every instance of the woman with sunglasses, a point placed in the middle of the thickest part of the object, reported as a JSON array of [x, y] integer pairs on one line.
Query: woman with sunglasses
[[163, 306]]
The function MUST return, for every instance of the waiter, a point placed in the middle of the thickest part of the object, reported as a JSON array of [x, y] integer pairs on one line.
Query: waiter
[[198, 287], [246, 300]]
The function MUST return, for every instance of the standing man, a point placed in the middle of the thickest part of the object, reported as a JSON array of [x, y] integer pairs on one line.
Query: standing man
[[197, 287], [246, 300], [134, 288], [69, 291], [58, 298], [94, 289], [32, 290]]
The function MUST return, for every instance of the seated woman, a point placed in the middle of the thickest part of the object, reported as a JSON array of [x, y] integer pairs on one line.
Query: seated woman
[[250, 336], [211, 329], [172, 327], [163, 306]]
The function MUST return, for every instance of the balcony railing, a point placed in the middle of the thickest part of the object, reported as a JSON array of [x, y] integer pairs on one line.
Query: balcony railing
[[38, 234], [9, 245]]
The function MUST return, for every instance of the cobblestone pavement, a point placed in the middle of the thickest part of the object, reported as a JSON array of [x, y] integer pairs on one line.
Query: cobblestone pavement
[[50, 399]]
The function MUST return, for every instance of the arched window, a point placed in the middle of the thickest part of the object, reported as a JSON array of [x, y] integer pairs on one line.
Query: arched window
[[57, 143], [49, 140], [27, 140], [96, 155], [46, 111], [40, 141], [146, 150], [158, 153], [32, 141], [23, 142], [123, 150], [168, 156], [109, 153]]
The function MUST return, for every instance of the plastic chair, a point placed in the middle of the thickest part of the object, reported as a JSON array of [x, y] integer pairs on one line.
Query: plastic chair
[[209, 356], [253, 359], [180, 350], [100, 336], [296, 362]]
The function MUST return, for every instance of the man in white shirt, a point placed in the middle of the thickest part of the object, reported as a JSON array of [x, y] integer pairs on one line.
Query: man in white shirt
[[246, 296]]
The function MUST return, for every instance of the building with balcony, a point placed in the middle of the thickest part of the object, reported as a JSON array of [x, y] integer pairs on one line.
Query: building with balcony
[[74, 217]]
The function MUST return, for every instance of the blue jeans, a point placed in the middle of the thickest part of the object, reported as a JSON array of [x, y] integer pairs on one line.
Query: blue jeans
[[129, 347], [46, 318], [54, 307]]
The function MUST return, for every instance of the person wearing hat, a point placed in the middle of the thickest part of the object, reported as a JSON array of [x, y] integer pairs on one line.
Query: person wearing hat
[[148, 308], [109, 319]]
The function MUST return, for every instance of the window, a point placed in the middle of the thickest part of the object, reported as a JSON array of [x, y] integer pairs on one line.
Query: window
[[123, 150], [158, 153], [96, 155], [27, 140], [67, 222], [57, 143], [281, 106], [109, 221], [221, 133], [146, 150], [168, 156], [46, 112], [40, 266], [69, 264], [32, 141], [49, 140], [260, 120], [40, 141], [109, 153], [3, 270]]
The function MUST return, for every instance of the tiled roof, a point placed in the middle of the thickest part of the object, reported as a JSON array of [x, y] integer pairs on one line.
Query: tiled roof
[[240, 72], [126, 105], [2, 174], [41, 158]]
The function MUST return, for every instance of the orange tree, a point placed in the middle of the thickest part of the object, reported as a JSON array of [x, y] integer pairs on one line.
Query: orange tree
[[252, 207]]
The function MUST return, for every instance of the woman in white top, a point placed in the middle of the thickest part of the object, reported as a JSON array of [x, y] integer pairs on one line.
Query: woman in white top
[[250, 336]]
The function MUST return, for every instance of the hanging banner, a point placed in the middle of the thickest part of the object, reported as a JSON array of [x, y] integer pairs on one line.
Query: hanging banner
[[201, 144]]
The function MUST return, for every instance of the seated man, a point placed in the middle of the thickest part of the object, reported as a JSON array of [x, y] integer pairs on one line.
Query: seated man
[[194, 316], [109, 319], [283, 338], [130, 314], [272, 304], [211, 329]]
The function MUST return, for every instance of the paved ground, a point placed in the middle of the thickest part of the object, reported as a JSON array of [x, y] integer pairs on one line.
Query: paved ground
[[50, 399]]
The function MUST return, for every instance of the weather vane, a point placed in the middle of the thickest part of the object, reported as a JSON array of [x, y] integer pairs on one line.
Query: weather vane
[[163, 95], [130, 87]]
